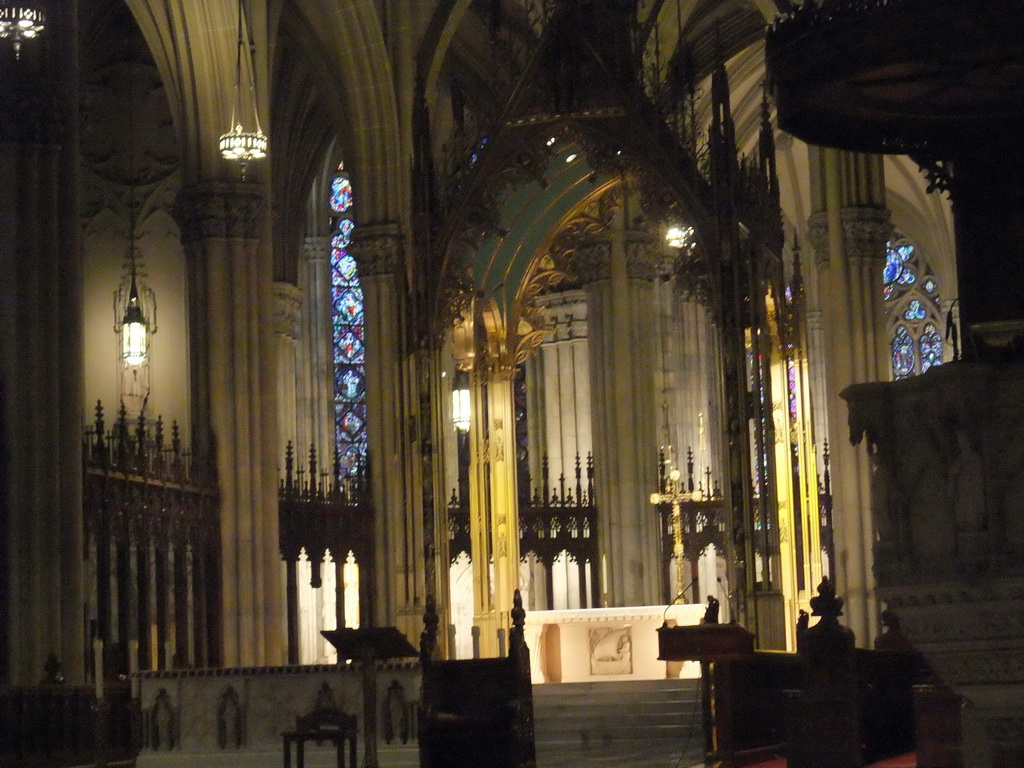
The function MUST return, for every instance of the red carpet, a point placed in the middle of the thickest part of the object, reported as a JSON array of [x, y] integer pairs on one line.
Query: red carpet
[[908, 760]]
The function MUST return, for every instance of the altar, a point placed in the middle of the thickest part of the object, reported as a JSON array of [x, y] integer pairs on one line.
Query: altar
[[603, 644]]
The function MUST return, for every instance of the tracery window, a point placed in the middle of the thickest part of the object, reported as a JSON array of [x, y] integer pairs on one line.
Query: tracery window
[[347, 319], [911, 293]]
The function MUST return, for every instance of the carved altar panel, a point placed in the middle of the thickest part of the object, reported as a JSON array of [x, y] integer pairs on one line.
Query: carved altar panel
[[611, 650]]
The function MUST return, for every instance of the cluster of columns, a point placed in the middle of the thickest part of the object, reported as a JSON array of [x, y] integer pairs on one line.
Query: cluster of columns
[[234, 404], [849, 229], [42, 581]]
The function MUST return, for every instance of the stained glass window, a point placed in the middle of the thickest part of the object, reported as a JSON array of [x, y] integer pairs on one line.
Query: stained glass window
[[347, 319], [341, 194], [911, 292], [903, 359], [791, 375], [931, 347], [914, 311]]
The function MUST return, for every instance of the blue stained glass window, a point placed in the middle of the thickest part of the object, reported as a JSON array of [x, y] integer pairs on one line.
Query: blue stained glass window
[[341, 194], [903, 363], [914, 311], [349, 386], [931, 347], [347, 317], [792, 389], [350, 305], [343, 268], [899, 267], [348, 345], [912, 292], [344, 237]]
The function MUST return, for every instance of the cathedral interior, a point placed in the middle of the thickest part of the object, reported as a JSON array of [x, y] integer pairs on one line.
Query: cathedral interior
[[315, 312]]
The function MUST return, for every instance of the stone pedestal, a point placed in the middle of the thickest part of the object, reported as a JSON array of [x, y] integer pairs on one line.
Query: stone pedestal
[[947, 489]]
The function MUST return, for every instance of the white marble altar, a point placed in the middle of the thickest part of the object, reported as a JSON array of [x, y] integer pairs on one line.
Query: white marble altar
[[605, 643]]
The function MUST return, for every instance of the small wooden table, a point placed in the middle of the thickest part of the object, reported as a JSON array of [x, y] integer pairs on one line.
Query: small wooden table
[[321, 725]]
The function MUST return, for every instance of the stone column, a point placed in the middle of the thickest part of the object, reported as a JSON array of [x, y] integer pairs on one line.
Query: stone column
[[398, 528], [848, 232], [558, 379], [233, 376], [690, 369], [42, 584], [287, 320], [315, 396], [619, 272]]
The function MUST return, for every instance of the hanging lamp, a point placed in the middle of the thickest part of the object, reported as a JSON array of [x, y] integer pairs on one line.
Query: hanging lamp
[[134, 301], [460, 401], [20, 21], [240, 145]]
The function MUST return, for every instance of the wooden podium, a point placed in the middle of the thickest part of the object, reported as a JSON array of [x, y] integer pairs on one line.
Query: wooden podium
[[368, 645], [704, 642], [710, 644]]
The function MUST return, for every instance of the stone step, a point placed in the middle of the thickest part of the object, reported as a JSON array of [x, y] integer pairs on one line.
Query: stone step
[[598, 715]]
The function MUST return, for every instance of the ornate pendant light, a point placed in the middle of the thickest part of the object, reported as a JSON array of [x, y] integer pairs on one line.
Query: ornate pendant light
[[134, 301], [20, 21], [460, 401], [238, 144]]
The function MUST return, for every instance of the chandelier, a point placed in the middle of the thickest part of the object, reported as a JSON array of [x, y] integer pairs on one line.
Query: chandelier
[[20, 22], [240, 145], [679, 236]]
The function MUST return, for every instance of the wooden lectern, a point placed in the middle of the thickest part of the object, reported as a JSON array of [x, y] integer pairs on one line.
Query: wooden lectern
[[368, 645], [704, 642], [709, 644]]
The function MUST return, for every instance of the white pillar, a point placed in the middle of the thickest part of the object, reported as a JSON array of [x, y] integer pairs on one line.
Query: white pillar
[[849, 232], [623, 350], [287, 310], [234, 376], [559, 378]]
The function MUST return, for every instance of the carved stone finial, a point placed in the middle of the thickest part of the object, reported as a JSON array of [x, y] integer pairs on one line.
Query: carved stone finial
[[711, 612], [827, 604], [517, 637], [803, 621], [54, 670], [428, 637]]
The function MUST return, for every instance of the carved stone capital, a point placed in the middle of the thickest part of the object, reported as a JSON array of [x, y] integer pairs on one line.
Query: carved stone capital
[[592, 260], [378, 250], [566, 314], [213, 210], [817, 233], [645, 257], [866, 232], [287, 310], [315, 247]]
